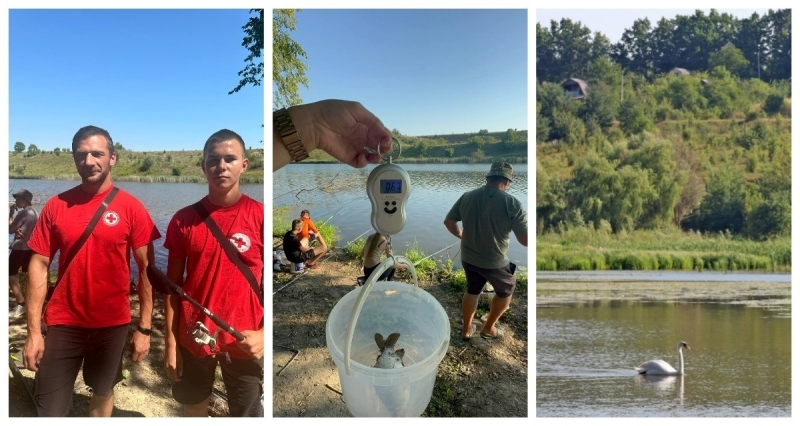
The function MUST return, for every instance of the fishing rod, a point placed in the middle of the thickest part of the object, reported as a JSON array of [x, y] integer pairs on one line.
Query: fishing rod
[[420, 261], [362, 234], [165, 285]]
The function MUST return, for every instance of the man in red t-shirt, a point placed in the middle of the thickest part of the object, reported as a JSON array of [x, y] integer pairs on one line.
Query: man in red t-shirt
[[88, 315], [216, 283]]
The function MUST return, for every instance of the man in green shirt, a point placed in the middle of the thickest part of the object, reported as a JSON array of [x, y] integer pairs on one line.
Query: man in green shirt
[[488, 214]]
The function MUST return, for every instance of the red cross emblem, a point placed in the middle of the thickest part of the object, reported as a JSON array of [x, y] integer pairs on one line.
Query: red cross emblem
[[241, 242], [111, 218]]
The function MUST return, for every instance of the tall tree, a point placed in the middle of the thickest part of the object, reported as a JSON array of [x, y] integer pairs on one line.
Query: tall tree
[[729, 57], [288, 60], [779, 40], [633, 51], [253, 72]]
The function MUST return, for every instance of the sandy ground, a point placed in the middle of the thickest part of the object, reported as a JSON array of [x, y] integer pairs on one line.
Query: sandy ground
[[477, 378]]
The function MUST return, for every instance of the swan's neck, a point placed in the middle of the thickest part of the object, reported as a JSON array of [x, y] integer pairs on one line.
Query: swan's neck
[[680, 360]]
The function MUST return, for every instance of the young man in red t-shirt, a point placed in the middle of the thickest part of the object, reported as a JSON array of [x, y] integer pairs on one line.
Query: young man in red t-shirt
[[217, 284], [88, 315]]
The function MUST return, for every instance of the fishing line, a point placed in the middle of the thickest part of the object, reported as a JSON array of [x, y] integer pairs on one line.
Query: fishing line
[[451, 245]]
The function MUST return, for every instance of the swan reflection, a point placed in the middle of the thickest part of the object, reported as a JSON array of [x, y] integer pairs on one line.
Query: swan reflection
[[663, 385]]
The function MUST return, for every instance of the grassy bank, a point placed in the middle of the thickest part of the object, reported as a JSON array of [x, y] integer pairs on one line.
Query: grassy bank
[[131, 166], [588, 249]]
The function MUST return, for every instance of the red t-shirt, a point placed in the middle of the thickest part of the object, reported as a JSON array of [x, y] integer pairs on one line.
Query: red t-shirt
[[94, 292], [212, 279]]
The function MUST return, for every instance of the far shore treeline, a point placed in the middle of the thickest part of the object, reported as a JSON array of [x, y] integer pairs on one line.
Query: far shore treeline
[[670, 149], [29, 162]]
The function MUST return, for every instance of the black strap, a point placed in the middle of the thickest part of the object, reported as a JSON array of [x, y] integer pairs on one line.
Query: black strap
[[87, 232], [230, 250]]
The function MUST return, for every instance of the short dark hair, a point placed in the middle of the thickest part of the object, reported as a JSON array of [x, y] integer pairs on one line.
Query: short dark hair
[[304, 212], [222, 136], [296, 223], [89, 131]]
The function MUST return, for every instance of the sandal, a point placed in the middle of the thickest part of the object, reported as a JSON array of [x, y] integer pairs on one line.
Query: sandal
[[312, 266], [472, 329], [499, 335]]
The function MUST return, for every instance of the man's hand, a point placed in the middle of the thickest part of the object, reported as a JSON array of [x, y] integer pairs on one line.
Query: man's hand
[[253, 343], [173, 363], [140, 346], [33, 351], [343, 129]]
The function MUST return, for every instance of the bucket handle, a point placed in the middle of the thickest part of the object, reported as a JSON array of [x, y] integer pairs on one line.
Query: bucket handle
[[362, 296]]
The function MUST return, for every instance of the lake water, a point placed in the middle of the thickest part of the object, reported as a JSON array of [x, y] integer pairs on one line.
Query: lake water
[[739, 363], [162, 200], [336, 194]]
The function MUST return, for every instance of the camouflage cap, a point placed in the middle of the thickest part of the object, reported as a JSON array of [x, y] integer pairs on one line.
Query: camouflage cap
[[502, 169]]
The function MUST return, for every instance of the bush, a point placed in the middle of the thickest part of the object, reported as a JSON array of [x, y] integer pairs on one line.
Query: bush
[[176, 171], [773, 104], [147, 163]]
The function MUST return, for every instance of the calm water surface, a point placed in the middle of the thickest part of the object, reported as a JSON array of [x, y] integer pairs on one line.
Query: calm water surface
[[162, 200], [336, 194], [739, 363]]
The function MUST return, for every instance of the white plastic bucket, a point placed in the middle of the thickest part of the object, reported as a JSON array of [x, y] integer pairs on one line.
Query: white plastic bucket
[[387, 307]]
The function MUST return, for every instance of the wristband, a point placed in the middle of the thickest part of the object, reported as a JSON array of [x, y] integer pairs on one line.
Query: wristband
[[145, 331], [289, 136]]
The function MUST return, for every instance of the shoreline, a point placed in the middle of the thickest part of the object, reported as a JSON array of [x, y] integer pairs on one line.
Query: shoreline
[[752, 293]]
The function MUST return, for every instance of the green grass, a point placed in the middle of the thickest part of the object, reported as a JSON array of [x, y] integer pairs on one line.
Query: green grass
[[132, 166], [587, 249]]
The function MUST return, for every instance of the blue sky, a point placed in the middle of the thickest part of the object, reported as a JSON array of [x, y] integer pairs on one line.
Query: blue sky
[[155, 79], [613, 22], [422, 72]]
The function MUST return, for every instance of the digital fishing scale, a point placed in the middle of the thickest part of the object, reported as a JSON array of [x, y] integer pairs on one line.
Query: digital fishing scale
[[388, 188]]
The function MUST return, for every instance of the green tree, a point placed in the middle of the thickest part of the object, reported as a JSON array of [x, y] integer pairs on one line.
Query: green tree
[[618, 195], [632, 117], [729, 57], [723, 207], [57, 151], [19, 147], [146, 165], [773, 104], [476, 142], [483, 132], [602, 105], [253, 72], [288, 60], [33, 150]]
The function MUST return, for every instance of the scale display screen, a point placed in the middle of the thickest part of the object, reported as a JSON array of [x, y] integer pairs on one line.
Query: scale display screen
[[391, 186]]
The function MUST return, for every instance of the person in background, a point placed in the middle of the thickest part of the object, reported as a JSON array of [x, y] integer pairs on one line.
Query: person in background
[[21, 227], [309, 231], [298, 252], [488, 214], [375, 247]]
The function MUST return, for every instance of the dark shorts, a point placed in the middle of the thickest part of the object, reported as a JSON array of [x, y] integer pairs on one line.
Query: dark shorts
[[502, 279], [243, 380], [19, 259], [66, 348], [387, 275], [300, 256]]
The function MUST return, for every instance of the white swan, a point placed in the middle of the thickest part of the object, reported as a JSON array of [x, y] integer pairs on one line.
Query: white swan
[[661, 367]]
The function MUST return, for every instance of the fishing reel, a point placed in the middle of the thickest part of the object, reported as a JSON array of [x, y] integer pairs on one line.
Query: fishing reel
[[203, 338]]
